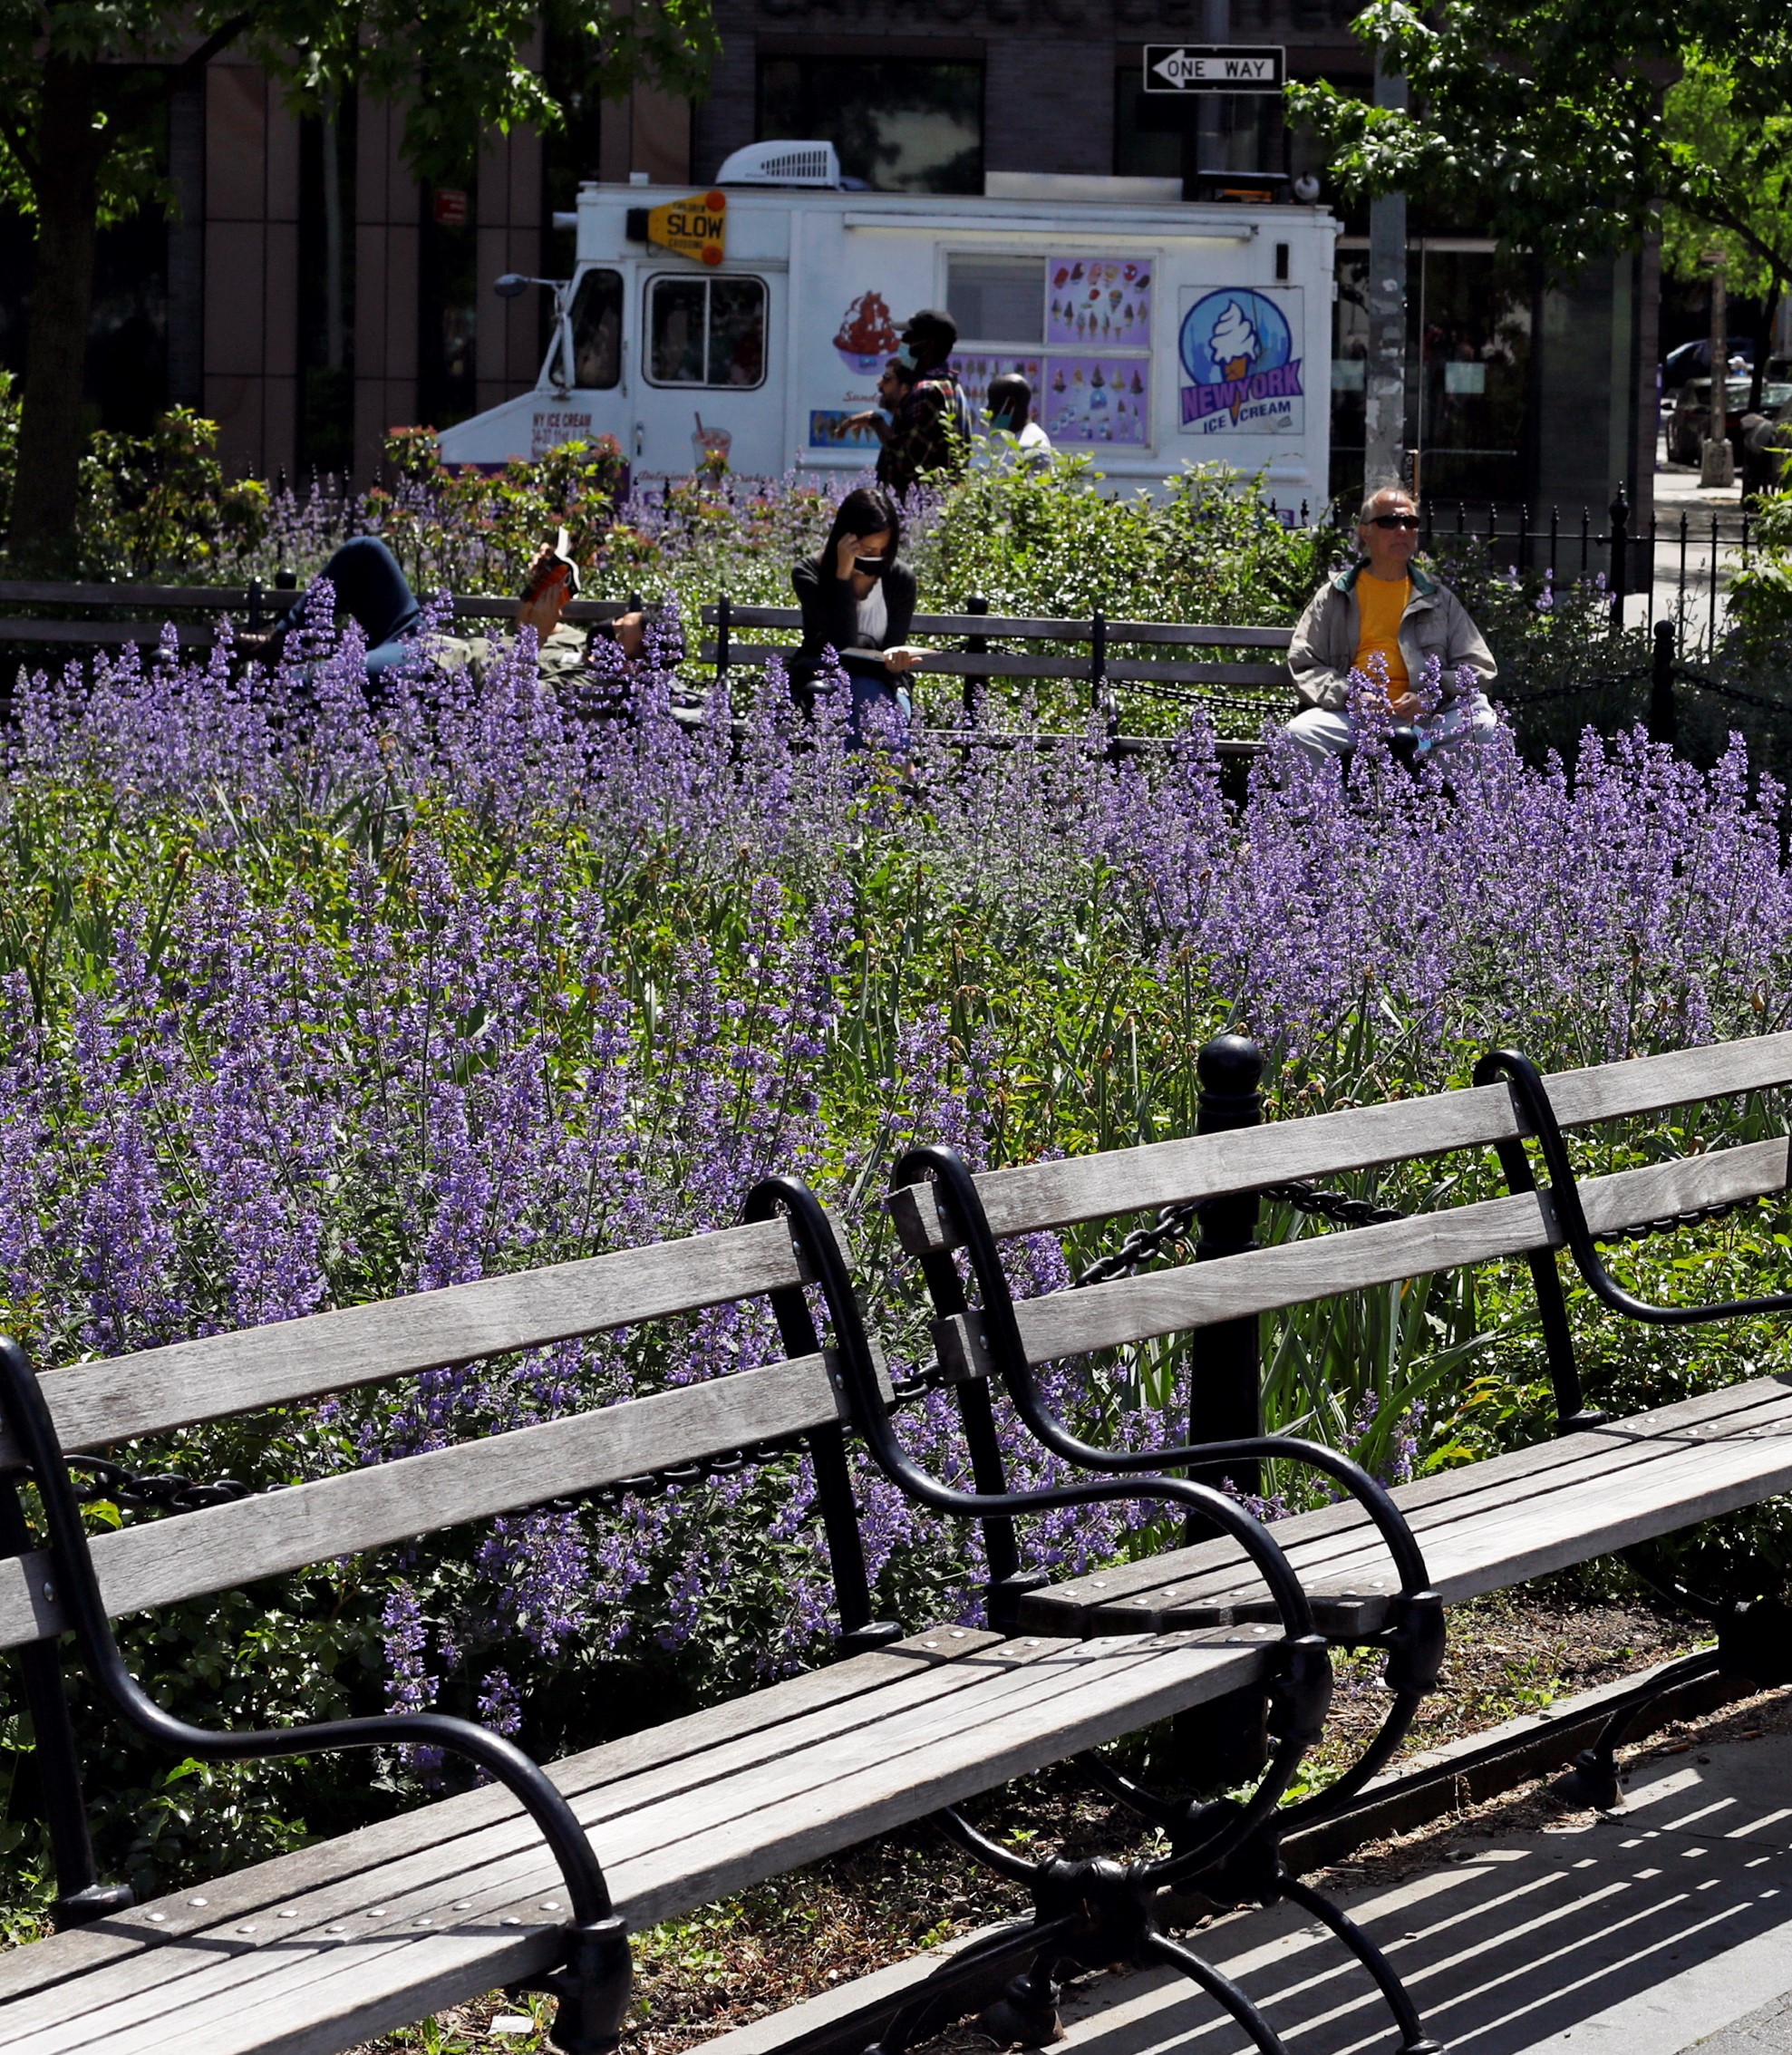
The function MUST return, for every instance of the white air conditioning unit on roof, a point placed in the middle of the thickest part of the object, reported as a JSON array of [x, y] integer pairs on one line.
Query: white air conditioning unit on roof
[[782, 164]]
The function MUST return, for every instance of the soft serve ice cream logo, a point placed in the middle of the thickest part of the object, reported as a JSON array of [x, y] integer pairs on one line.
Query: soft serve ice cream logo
[[1241, 375]]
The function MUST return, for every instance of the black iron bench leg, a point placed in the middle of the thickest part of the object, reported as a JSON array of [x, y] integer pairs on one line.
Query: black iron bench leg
[[1090, 1914], [1220, 1987], [80, 1897], [1414, 2039]]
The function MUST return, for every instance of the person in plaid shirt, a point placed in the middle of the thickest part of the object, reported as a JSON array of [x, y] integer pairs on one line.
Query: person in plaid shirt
[[928, 427]]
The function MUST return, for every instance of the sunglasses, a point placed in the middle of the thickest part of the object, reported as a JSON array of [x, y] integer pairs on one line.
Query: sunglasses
[[1394, 521]]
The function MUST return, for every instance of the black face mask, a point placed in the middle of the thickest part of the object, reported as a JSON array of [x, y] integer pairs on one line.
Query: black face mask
[[870, 567]]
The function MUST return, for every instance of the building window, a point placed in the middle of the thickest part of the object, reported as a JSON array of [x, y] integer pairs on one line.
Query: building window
[[596, 325], [901, 125], [1157, 135], [706, 331]]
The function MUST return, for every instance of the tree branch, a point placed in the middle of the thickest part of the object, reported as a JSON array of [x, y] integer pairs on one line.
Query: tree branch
[[1722, 216], [17, 143], [220, 39]]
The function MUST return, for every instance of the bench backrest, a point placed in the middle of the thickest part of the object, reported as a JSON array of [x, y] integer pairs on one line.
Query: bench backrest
[[977, 663], [1035, 1197], [159, 1562]]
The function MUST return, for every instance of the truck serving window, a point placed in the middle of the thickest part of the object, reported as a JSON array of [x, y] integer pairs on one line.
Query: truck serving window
[[706, 331], [997, 299], [596, 325]]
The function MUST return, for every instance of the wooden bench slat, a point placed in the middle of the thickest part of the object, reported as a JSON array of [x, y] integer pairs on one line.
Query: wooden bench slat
[[124, 1397], [1137, 1593], [1605, 1462], [1013, 627], [1066, 1698], [245, 1892], [1031, 1197], [954, 664], [1335, 1547], [162, 1562], [1038, 1704], [1650, 1084], [617, 1812], [1315, 1266]]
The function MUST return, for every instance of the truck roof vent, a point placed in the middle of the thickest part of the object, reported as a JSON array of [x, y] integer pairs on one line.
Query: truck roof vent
[[781, 164]]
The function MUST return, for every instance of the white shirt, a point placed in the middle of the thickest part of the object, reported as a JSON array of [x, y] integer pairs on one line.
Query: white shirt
[[874, 616]]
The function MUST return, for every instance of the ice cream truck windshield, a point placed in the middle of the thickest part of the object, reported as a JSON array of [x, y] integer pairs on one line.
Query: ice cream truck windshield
[[1152, 332]]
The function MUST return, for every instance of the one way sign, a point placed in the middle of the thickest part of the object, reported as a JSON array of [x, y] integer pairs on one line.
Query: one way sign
[[1214, 67]]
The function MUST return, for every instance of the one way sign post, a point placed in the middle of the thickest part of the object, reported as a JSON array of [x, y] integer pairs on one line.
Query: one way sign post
[[1214, 67]]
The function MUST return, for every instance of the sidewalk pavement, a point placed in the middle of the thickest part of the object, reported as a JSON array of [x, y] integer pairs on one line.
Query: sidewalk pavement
[[1662, 1928]]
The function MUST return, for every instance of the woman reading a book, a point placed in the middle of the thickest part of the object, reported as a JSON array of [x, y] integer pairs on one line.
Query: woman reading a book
[[857, 599]]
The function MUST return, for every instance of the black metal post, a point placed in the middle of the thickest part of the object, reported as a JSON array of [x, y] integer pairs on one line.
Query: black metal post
[[1098, 670], [255, 604], [80, 1894], [1225, 1397], [1226, 1741], [722, 614], [1620, 572], [974, 646], [1663, 714]]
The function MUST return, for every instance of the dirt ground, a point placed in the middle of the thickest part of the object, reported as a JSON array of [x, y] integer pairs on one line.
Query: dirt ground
[[770, 1948]]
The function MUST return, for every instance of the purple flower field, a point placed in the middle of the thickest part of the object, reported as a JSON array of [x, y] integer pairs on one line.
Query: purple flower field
[[309, 1002]]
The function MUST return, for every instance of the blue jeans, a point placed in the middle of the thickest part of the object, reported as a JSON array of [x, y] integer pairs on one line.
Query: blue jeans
[[873, 688], [376, 593]]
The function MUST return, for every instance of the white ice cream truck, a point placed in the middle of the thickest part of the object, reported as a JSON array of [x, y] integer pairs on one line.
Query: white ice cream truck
[[754, 319]]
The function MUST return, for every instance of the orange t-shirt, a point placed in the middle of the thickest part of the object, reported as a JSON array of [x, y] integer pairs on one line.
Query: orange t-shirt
[[1380, 602]]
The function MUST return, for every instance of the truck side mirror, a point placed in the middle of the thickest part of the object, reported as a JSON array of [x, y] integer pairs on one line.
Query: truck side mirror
[[511, 286]]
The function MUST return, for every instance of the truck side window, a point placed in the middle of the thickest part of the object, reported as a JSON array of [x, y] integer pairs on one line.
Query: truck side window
[[706, 331], [596, 325]]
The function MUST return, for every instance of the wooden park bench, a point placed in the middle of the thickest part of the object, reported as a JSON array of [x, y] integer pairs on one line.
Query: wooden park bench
[[1602, 1486], [535, 1880], [1253, 687], [143, 612]]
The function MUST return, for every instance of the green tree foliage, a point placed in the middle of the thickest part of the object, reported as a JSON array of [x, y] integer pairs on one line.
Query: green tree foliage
[[1551, 114], [84, 85]]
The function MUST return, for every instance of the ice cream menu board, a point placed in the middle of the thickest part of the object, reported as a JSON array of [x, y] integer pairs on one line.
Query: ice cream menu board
[[1097, 400], [976, 369], [1099, 303]]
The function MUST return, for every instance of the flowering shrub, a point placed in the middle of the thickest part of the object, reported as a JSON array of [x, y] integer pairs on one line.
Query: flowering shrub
[[309, 1002]]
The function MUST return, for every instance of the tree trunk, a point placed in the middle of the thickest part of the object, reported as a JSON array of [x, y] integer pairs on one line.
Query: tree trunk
[[41, 530]]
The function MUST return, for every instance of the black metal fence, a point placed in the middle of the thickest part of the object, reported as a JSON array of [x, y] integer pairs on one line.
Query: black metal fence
[[1687, 556]]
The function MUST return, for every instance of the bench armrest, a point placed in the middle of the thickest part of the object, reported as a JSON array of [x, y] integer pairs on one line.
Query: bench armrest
[[1531, 1095], [596, 1943]]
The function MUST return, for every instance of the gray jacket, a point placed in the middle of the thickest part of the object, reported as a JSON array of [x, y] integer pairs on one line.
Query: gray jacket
[[1435, 624]]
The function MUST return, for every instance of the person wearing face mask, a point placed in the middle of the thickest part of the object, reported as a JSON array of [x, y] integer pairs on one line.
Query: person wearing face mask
[[1386, 615], [857, 599], [925, 426]]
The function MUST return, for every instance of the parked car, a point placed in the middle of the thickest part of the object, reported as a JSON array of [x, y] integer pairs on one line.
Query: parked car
[[1693, 360], [1690, 423]]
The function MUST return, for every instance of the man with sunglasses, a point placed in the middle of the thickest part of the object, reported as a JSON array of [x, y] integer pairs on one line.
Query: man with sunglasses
[[1387, 617]]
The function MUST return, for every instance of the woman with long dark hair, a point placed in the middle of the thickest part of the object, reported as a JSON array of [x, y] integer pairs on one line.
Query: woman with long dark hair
[[857, 599]]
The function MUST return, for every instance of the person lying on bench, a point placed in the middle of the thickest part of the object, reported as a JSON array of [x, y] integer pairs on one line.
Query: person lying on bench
[[1387, 613], [372, 589]]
